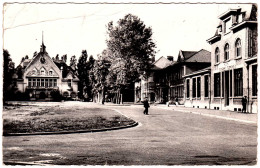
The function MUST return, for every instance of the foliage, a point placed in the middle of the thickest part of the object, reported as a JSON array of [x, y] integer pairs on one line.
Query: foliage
[[9, 70], [55, 94], [84, 67], [73, 62], [98, 75], [131, 50]]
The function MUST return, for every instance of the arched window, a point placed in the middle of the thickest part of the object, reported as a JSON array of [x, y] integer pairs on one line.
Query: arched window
[[238, 48], [226, 49], [217, 55]]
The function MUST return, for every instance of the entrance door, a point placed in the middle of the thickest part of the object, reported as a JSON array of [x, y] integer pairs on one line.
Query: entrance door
[[227, 88]]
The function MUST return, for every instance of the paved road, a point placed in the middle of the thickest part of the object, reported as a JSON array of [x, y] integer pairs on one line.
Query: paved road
[[165, 137]]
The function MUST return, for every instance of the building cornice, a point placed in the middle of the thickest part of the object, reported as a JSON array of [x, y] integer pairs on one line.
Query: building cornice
[[243, 24], [227, 13], [214, 38]]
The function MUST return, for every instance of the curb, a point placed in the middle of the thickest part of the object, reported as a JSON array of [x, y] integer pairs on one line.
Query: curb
[[72, 132]]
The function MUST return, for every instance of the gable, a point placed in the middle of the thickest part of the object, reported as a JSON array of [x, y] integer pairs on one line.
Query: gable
[[162, 63], [44, 67]]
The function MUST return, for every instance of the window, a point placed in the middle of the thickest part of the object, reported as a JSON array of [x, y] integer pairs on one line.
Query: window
[[50, 72], [238, 75], [254, 80], [50, 83], [226, 49], [223, 83], [46, 82], [194, 87], [198, 87], [38, 82], [42, 82], [217, 85], [188, 88], [34, 82], [227, 25], [55, 82], [29, 82], [217, 55], [230, 83], [206, 86], [238, 48], [69, 82]]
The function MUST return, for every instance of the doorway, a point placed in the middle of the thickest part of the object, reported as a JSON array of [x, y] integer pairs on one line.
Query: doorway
[[226, 88]]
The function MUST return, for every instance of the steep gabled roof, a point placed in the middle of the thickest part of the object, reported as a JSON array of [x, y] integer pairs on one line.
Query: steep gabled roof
[[161, 63], [200, 56], [184, 55]]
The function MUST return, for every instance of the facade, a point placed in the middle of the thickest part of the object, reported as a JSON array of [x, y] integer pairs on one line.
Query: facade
[[234, 60], [187, 62], [197, 89], [146, 87], [43, 78]]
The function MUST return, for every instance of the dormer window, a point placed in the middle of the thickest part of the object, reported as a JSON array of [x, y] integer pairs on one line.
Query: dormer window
[[240, 18], [227, 25], [226, 50]]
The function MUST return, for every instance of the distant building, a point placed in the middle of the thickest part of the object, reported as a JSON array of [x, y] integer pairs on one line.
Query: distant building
[[197, 89], [187, 62], [146, 87], [234, 59], [43, 78]]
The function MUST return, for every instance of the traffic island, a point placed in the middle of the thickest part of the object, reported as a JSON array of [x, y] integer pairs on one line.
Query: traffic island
[[40, 120]]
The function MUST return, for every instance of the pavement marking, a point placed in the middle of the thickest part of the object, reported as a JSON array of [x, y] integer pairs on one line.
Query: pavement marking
[[214, 116]]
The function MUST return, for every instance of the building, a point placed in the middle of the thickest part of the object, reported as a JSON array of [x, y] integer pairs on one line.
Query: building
[[187, 62], [146, 87], [42, 78], [234, 59], [197, 89]]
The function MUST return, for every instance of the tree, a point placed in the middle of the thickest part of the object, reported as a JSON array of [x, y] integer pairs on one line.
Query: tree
[[8, 85], [131, 51], [64, 58], [35, 54], [57, 58], [97, 75], [73, 63], [83, 72]]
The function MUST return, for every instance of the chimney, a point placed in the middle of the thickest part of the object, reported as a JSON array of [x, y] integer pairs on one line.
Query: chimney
[[170, 58]]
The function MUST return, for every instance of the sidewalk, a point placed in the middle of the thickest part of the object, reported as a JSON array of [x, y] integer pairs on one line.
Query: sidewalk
[[228, 115]]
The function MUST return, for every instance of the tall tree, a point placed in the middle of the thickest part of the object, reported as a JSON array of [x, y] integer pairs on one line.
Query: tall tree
[[64, 58], [73, 63], [7, 76], [83, 73], [131, 50], [97, 75]]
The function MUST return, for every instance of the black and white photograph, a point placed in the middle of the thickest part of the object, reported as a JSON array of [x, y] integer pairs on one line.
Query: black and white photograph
[[129, 83]]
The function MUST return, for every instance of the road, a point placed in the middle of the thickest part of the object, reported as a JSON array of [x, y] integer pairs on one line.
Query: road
[[165, 137]]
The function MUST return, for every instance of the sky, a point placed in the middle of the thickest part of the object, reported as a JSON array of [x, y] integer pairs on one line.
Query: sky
[[70, 28]]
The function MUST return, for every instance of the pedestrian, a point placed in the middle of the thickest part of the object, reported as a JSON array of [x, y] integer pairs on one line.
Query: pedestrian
[[244, 102], [146, 106]]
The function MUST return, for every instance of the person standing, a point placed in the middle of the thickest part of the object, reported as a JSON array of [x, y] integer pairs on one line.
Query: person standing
[[146, 106], [244, 102]]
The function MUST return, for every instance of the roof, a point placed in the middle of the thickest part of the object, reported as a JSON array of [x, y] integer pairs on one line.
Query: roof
[[161, 63], [200, 56], [187, 54], [59, 63]]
